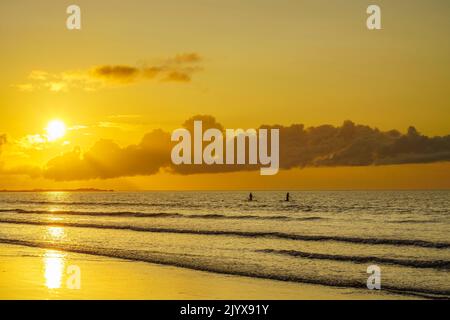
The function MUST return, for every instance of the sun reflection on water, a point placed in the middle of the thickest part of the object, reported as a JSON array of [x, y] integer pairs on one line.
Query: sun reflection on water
[[56, 233], [54, 260], [53, 268]]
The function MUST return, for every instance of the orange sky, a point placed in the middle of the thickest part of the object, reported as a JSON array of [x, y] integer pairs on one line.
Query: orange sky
[[247, 63]]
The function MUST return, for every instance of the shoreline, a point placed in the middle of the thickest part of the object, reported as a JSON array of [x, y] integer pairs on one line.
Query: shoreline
[[38, 273]]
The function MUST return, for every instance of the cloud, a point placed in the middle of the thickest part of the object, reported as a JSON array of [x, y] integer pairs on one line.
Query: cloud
[[3, 140], [176, 76], [36, 141], [357, 145], [321, 146], [187, 58], [124, 116], [179, 68], [116, 73], [106, 159], [29, 170]]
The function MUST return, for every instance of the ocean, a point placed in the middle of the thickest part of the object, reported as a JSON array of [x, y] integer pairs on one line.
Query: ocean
[[328, 238]]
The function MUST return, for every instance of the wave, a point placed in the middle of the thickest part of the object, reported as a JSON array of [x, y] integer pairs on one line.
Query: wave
[[187, 261], [248, 234], [292, 206], [159, 215], [434, 264], [174, 204], [101, 203], [414, 221]]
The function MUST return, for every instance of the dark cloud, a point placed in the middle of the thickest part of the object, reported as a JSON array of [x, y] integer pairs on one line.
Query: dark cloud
[[179, 68], [357, 145], [208, 122], [326, 145], [116, 73], [346, 145], [108, 160]]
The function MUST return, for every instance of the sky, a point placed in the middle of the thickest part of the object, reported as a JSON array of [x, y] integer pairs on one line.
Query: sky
[[139, 69]]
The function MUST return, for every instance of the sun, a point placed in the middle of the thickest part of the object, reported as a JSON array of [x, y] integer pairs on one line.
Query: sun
[[55, 129]]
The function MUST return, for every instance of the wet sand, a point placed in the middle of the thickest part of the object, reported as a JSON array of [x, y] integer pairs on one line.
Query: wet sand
[[35, 273]]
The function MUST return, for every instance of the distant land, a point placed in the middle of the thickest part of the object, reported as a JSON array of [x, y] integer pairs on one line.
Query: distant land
[[60, 190]]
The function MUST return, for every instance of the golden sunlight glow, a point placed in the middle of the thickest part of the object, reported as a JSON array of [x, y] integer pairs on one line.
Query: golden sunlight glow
[[55, 233], [53, 268], [55, 129]]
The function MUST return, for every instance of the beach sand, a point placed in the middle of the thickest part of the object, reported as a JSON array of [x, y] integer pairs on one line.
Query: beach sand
[[35, 273]]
